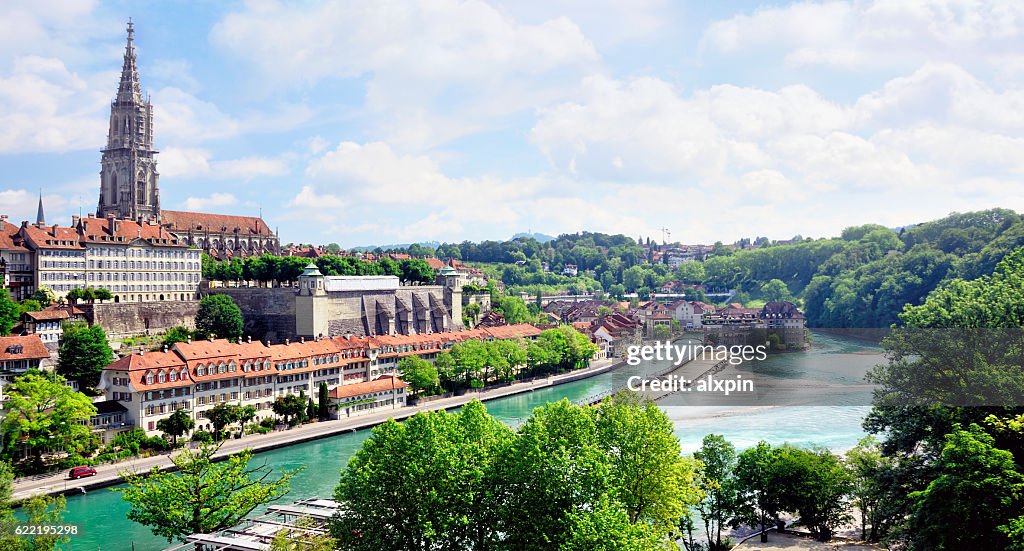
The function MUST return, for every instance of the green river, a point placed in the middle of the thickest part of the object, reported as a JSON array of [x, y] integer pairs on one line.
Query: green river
[[100, 514]]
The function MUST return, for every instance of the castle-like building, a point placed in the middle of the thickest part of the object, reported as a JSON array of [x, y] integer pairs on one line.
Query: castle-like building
[[130, 182]]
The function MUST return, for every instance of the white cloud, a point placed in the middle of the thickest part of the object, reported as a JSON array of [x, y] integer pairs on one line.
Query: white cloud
[[44, 107], [212, 201], [191, 163], [434, 70], [874, 32]]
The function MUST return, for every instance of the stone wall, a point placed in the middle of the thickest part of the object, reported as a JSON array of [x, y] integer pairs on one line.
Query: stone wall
[[269, 313], [129, 319]]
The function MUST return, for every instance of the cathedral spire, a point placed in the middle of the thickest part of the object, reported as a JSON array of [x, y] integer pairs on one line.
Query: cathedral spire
[[40, 218], [129, 90]]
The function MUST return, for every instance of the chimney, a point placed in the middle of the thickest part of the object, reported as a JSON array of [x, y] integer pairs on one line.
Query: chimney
[[165, 348], [3, 217], [190, 340], [248, 339], [92, 215], [142, 352], [111, 224], [302, 339], [75, 219], [286, 341]]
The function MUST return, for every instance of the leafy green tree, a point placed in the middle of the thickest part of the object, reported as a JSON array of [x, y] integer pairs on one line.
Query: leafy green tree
[[421, 375], [512, 308], [775, 290], [176, 424], [219, 315], [416, 270], [977, 490], [102, 294], [202, 496], [245, 416], [84, 352], [291, 407], [655, 484], [44, 296], [175, 335], [41, 410], [607, 528], [813, 484], [9, 312], [717, 457], [310, 410], [30, 305], [434, 492], [220, 416], [758, 498], [866, 464]]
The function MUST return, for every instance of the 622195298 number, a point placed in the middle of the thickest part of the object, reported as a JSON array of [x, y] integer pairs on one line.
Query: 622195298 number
[[46, 530]]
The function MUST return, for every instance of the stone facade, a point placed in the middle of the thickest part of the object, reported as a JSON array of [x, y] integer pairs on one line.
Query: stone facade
[[147, 318], [328, 306]]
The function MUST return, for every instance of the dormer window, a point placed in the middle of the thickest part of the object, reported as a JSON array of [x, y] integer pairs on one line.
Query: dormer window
[[162, 377], [149, 378]]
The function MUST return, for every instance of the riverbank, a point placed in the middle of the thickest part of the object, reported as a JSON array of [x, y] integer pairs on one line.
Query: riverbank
[[110, 474]]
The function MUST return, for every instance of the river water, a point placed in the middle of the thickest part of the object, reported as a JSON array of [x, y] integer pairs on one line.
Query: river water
[[100, 514]]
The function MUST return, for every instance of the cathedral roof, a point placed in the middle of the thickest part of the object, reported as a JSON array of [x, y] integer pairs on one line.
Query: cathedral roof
[[181, 221]]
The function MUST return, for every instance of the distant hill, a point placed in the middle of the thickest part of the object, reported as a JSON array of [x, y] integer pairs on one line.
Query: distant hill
[[428, 244], [540, 237]]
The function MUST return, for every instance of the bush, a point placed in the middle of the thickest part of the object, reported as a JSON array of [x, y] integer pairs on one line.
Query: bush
[[202, 436], [267, 422]]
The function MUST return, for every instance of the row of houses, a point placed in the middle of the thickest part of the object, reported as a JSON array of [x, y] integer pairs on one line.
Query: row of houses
[[198, 375]]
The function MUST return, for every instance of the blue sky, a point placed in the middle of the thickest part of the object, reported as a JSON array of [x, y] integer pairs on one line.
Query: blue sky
[[410, 120]]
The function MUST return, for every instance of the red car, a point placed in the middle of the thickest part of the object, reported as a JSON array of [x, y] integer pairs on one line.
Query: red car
[[81, 472]]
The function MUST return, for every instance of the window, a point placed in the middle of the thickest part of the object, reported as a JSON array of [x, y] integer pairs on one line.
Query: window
[[149, 378]]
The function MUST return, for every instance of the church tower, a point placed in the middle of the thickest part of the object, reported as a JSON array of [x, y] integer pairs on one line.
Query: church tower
[[129, 182]]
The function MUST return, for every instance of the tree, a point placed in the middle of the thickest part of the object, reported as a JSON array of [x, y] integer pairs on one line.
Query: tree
[[416, 270], [310, 409], [177, 424], [323, 409], [813, 484], [866, 463], [218, 315], [36, 511], [655, 484], [421, 375], [44, 296], [291, 407], [203, 496], [434, 492], [221, 415], [42, 410], [717, 457], [175, 335], [84, 352], [102, 294], [9, 312], [775, 291], [245, 415], [978, 488], [758, 499]]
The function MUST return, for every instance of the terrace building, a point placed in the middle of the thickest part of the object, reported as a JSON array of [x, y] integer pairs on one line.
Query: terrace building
[[198, 375]]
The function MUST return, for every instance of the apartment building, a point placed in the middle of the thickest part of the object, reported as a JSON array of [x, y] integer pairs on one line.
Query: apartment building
[[197, 375]]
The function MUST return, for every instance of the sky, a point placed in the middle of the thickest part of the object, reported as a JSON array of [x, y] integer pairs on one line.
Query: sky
[[419, 120]]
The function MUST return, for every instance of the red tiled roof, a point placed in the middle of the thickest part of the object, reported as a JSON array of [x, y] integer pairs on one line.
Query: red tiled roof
[[97, 230], [53, 237], [9, 237], [29, 347], [199, 221], [382, 383], [434, 263]]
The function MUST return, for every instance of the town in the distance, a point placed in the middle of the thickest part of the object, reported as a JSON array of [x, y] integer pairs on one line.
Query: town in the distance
[[138, 345]]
